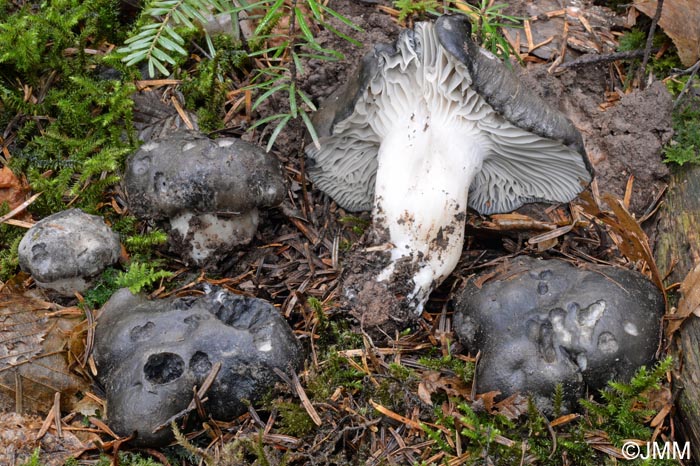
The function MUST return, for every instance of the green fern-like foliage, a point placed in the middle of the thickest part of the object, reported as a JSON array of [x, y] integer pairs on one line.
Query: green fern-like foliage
[[144, 244], [159, 42], [140, 276], [685, 145]]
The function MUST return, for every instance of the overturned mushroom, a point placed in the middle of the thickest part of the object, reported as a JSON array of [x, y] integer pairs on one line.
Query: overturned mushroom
[[435, 124], [208, 190]]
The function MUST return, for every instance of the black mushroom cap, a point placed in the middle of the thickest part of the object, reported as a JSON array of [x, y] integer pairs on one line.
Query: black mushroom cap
[[187, 171], [503, 91], [535, 153]]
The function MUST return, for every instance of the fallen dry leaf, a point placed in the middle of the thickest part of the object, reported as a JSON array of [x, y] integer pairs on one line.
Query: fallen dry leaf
[[487, 400], [688, 304], [14, 191], [18, 440], [630, 238], [428, 386], [33, 353], [680, 20], [512, 407]]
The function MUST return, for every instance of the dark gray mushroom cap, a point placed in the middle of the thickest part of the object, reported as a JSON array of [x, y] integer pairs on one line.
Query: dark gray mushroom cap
[[190, 172], [68, 245], [535, 153]]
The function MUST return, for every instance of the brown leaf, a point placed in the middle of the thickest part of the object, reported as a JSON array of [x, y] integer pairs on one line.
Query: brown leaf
[[689, 302], [33, 354], [632, 241], [428, 386], [17, 442], [680, 20], [433, 381], [14, 191], [488, 399], [512, 407], [154, 117]]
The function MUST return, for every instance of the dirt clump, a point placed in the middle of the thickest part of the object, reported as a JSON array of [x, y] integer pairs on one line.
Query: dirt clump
[[623, 139], [377, 305]]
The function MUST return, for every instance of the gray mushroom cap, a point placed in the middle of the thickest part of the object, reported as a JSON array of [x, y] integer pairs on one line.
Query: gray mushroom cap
[[67, 250], [201, 175], [535, 152]]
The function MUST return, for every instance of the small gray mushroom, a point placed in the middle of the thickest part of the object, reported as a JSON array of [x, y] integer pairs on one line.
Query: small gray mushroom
[[434, 124], [67, 250], [207, 191]]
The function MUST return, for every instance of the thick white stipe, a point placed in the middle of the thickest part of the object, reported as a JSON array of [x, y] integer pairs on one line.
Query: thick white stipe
[[425, 168]]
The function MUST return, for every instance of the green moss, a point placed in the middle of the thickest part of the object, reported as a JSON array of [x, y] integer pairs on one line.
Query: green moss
[[10, 237], [128, 459], [357, 225], [334, 372], [72, 129], [102, 290], [618, 414], [34, 459], [418, 9], [317, 307], [401, 373], [294, 420], [636, 39], [685, 145], [462, 369]]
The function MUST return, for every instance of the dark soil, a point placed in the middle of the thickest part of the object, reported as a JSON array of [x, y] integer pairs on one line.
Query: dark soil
[[621, 141]]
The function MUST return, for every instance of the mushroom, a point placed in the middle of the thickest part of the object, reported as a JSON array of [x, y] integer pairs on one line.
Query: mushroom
[[543, 323], [67, 251], [434, 124], [207, 191]]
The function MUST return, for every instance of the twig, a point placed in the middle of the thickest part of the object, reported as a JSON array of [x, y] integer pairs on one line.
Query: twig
[[200, 395], [90, 338], [19, 208], [650, 41], [596, 59], [295, 384], [693, 71]]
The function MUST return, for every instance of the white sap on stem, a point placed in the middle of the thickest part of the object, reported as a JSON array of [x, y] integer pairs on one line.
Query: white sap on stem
[[425, 168]]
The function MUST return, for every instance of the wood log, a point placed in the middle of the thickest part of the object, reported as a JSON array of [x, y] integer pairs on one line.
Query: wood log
[[678, 241], [677, 253]]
